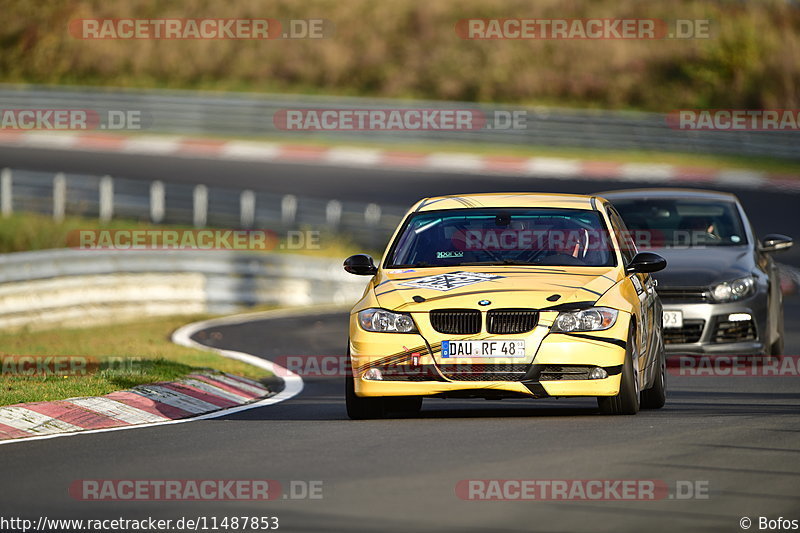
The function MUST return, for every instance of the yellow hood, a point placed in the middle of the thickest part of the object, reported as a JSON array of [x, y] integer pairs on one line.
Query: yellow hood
[[504, 286]]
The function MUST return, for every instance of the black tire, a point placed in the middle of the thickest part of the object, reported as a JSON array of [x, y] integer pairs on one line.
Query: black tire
[[404, 405], [656, 396], [626, 402], [359, 408], [776, 350]]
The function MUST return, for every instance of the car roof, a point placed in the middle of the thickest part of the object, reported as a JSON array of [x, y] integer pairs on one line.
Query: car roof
[[519, 199], [642, 194]]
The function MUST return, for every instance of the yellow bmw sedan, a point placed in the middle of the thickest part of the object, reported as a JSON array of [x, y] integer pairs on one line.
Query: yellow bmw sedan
[[507, 295]]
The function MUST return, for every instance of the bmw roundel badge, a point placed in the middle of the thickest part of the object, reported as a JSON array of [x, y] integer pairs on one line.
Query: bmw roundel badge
[[484, 302]]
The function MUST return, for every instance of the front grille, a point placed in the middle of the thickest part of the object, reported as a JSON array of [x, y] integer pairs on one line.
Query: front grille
[[740, 331], [456, 321], [561, 372], [484, 372], [684, 294], [511, 321], [691, 332]]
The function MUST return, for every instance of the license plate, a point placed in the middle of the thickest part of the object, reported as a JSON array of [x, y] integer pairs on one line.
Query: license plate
[[509, 348], [673, 319]]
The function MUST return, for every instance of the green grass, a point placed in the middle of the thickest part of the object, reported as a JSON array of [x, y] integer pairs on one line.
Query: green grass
[[130, 354], [22, 232], [136, 353], [31, 231]]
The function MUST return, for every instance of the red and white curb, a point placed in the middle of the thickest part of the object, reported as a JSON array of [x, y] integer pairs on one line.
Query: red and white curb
[[460, 163], [196, 397], [147, 404]]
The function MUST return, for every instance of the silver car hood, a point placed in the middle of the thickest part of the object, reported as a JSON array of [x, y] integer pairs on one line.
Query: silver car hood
[[701, 267]]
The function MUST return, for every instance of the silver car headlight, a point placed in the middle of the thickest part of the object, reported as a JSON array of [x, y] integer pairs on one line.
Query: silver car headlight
[[731, 291], [381, 320], [592, 319]]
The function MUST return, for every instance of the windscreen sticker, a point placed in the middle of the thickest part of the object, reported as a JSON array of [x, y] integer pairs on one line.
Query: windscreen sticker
[[449, 254], [453, 280]]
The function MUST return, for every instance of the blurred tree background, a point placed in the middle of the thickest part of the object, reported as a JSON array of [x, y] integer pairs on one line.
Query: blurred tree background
[[410, 49]]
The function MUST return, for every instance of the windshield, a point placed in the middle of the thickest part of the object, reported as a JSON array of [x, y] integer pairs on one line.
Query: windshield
[[673, 223], [471, 237]]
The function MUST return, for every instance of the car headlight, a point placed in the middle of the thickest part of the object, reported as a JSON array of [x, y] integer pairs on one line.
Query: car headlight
[[730, 291], [382, 320], [593, 319]]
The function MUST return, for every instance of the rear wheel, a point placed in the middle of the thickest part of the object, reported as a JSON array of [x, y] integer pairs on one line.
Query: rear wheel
[[656, 396], [626, 402]]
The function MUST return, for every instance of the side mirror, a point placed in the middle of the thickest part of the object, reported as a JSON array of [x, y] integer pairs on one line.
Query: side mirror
[[775, 243], [645, 262], [360, 265]]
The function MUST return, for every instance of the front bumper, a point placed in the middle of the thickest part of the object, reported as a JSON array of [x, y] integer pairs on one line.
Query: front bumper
[[411, 365], [490, 389], [704, 322]]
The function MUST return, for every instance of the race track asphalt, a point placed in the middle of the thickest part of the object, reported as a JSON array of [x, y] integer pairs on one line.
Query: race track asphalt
[[739, 436]]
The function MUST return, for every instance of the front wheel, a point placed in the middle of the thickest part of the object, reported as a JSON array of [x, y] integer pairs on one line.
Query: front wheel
[[404, 405], [776, 350], [626, 402], [359, 408]]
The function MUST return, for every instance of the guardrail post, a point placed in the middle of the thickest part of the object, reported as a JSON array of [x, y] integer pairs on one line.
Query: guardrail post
[[247, 209], [59, 197], [288, 209], [200, 204], [372, 214], [333, 213], [6, 200], [106, 198], [157, 204]]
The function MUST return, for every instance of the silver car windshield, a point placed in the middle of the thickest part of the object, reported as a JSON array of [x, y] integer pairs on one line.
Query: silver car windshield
[[672, 222]]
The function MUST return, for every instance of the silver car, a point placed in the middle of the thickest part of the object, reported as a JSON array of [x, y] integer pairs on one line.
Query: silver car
[[721, 289]]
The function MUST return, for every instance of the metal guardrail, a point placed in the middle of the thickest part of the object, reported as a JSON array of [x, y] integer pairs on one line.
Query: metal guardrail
[[248, 114], [106, 197], [72, 287]]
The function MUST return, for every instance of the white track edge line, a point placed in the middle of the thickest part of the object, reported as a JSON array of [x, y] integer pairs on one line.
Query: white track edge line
[[293, 383]]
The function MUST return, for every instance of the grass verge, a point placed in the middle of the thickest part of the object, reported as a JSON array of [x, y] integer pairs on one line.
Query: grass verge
[[136, 353], [23, 232]]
